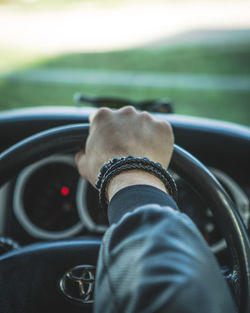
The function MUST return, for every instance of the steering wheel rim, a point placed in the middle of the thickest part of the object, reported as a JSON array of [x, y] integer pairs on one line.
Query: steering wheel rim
[[58, 139]]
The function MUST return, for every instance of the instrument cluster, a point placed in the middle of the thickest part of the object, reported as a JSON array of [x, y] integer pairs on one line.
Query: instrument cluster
[[51, 202]]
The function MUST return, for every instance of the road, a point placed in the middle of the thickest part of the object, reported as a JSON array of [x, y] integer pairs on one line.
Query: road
[[232, 83]]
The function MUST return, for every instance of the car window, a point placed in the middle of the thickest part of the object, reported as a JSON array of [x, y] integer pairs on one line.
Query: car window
[[193, 53]]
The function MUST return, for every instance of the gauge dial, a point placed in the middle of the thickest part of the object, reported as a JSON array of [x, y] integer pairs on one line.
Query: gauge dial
[[191, 203], [45, 198], [50, 197]]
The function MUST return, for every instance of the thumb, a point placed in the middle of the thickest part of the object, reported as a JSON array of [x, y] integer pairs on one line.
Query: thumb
[[81, 163], [78, 155]]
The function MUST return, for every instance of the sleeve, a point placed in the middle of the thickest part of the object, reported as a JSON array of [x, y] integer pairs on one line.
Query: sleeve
[[153, 259]]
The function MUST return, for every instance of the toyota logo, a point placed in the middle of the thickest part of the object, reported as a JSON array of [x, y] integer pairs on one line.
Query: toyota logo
[[78, 283]]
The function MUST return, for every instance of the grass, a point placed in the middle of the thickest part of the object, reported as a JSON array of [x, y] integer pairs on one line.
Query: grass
[[195, 59], [228, 60]]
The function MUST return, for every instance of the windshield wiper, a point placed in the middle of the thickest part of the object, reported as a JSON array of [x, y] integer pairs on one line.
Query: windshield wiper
[[157, 105]]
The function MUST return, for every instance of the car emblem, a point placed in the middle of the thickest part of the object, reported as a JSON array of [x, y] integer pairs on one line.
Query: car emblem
[[77, 284]]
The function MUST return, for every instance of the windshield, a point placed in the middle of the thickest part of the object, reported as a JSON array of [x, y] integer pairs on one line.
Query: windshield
[[196, 54]]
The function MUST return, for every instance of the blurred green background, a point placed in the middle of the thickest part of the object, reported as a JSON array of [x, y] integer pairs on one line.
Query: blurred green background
[[228, 60]]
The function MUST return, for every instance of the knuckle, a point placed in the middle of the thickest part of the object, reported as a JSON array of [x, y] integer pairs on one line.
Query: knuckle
[[166, 126], [129, 109], [102, 113], [146, 116]]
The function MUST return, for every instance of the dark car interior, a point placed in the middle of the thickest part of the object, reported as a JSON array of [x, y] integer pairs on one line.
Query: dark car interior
[[50, 220]]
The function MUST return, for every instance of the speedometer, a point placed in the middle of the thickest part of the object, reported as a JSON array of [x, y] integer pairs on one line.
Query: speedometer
[[45, 198], [49, 197]]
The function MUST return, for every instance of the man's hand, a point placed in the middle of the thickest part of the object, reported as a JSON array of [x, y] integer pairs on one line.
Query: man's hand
[[121, 133]]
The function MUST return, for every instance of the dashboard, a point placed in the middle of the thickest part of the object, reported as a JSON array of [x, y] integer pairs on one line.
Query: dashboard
[[52, 202], [48, 200]]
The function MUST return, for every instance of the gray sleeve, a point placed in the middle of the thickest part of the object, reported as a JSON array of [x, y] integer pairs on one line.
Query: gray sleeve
[[153, 259]]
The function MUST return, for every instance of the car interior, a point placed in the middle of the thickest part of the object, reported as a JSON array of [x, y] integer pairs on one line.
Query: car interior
[[50, 221], [185, 62]]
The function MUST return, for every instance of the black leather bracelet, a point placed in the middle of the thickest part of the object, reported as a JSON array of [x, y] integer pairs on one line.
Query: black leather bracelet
[[116, 166]]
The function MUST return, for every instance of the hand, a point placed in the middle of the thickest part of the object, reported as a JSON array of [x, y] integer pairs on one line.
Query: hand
[[121, 133]]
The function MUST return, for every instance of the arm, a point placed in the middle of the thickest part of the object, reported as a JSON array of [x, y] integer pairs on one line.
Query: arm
[[153, 258]]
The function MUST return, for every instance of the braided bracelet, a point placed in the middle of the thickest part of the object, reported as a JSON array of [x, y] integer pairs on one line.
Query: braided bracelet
[[116, 166]]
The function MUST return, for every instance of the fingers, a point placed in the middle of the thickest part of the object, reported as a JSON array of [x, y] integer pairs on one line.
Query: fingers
[[126, 115], [91, 116], [115, 133], [100, 114], [127, 110], [105, 113]]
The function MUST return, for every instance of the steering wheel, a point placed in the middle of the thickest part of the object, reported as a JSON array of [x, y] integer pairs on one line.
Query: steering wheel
[[30, 275]]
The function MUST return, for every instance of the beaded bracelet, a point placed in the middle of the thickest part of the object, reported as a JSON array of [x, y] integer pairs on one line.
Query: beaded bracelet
[[116, 166]]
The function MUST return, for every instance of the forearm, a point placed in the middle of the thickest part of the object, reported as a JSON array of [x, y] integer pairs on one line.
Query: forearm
[[152, 259], [155, 258]]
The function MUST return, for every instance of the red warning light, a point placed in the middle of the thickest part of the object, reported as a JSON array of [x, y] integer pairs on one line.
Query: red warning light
[[64, 191]]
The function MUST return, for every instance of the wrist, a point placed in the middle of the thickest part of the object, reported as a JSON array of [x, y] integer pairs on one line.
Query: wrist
[[130, 178]]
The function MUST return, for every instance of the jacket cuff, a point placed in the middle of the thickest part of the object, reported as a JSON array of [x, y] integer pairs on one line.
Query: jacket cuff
[[130, 198]]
